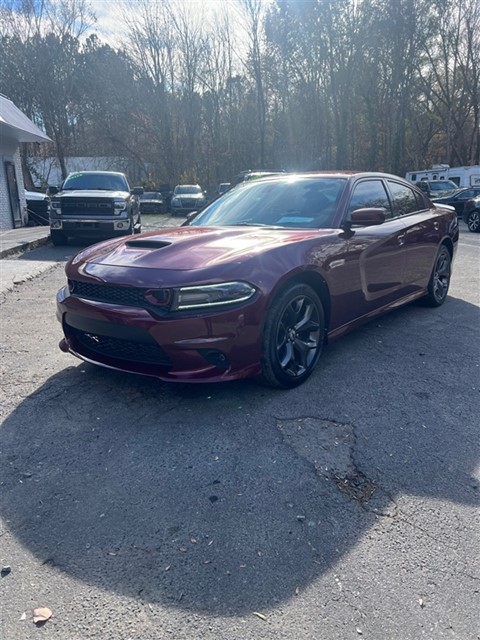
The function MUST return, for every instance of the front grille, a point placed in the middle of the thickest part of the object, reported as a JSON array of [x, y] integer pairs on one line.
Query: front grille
[[128, 296], [188, 203], [119, 349], [91, 206]]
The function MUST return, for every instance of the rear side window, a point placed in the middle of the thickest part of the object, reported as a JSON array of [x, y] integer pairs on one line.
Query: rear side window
[[404, 199], [370, 194], [470, 193]]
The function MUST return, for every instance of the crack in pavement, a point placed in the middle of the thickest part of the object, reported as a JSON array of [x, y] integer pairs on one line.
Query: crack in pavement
[[329, 447]]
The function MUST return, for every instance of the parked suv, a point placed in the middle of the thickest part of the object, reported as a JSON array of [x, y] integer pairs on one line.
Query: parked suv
[[436, 188], [94, 205], [187, 198], [471, 214]]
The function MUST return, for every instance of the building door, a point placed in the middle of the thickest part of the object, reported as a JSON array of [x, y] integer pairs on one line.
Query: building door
[[14, 198]]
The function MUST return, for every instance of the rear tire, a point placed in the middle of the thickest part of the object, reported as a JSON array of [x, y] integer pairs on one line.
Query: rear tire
[[292, 338], [473, 221], [58, 238], [440, 278]]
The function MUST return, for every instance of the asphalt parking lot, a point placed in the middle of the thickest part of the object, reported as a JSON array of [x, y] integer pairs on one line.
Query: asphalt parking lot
[[345, 508]]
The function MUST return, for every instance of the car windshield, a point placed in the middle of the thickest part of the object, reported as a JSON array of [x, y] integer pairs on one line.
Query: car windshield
[[99, 181], [443, 186], [187, 189], [308, 203], [151, 195]]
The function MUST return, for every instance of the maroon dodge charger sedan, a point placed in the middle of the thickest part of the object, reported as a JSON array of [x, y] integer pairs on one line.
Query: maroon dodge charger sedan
[[258, 281]]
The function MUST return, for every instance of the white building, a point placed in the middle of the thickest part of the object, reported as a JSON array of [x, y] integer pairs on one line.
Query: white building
[[15, 128]]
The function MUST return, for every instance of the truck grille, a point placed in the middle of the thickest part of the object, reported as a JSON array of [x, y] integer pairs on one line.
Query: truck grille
[[89, 206]]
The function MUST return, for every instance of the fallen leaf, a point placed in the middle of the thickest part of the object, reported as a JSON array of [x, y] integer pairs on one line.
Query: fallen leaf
[[23, 616], [259, 615], [5, 571], [42, 614], [421, 602], [359, 631]]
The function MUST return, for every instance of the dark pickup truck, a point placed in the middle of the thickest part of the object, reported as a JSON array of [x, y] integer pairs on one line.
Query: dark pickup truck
[[94, 205]]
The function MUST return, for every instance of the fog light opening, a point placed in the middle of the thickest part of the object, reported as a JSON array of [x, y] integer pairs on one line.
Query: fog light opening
[[215, 357]]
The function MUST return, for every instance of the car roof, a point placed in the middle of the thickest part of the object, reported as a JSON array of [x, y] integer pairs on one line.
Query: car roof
[[95, 173], [333, 173]]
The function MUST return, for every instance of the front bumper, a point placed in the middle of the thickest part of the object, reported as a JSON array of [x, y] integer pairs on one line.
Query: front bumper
[[186, 209], [91, 227], [212, 347]]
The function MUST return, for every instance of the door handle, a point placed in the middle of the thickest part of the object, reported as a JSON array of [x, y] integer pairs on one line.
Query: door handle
[[401, 239]]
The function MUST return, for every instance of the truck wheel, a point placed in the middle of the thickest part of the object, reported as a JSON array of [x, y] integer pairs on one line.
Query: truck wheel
[[58, 238]]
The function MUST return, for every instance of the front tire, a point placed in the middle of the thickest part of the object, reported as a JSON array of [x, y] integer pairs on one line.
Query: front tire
[[58, 238], [473, 221], [292, 338], [440, 278]]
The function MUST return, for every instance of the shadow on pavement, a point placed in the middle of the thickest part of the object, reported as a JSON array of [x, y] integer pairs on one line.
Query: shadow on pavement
[[201, 497]]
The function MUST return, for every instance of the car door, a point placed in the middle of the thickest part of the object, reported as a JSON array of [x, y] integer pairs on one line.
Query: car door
[[461, 198], [379, 248], [368, 273], [422, 233]]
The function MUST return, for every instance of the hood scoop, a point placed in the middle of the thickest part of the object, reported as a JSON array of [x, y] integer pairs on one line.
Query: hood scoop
[[147, 244]]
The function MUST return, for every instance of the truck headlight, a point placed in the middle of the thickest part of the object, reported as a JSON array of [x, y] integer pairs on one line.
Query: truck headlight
[[56, 206], [119, 205], [211, 295]]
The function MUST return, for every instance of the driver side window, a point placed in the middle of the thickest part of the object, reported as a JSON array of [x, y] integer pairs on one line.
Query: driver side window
[[369, 194]]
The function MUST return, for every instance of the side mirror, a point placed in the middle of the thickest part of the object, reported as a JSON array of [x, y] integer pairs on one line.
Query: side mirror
[[51, 191], [366, 217], [190, 217], [137, 191]]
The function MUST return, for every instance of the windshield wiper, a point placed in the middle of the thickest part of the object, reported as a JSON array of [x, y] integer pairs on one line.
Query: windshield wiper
[[255, 224]]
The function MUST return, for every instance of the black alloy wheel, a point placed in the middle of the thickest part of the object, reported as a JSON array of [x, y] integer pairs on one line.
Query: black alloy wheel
[[293, 337], [473, 221], [440, 278]]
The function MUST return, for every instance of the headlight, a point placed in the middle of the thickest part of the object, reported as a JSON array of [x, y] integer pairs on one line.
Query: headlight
[[211, 295], [175, 200], [56, 206], [119, 205]]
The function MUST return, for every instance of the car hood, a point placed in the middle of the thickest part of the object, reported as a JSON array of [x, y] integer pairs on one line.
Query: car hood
[[195, 196], [34, 195], [93, 193], [189, 248]]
